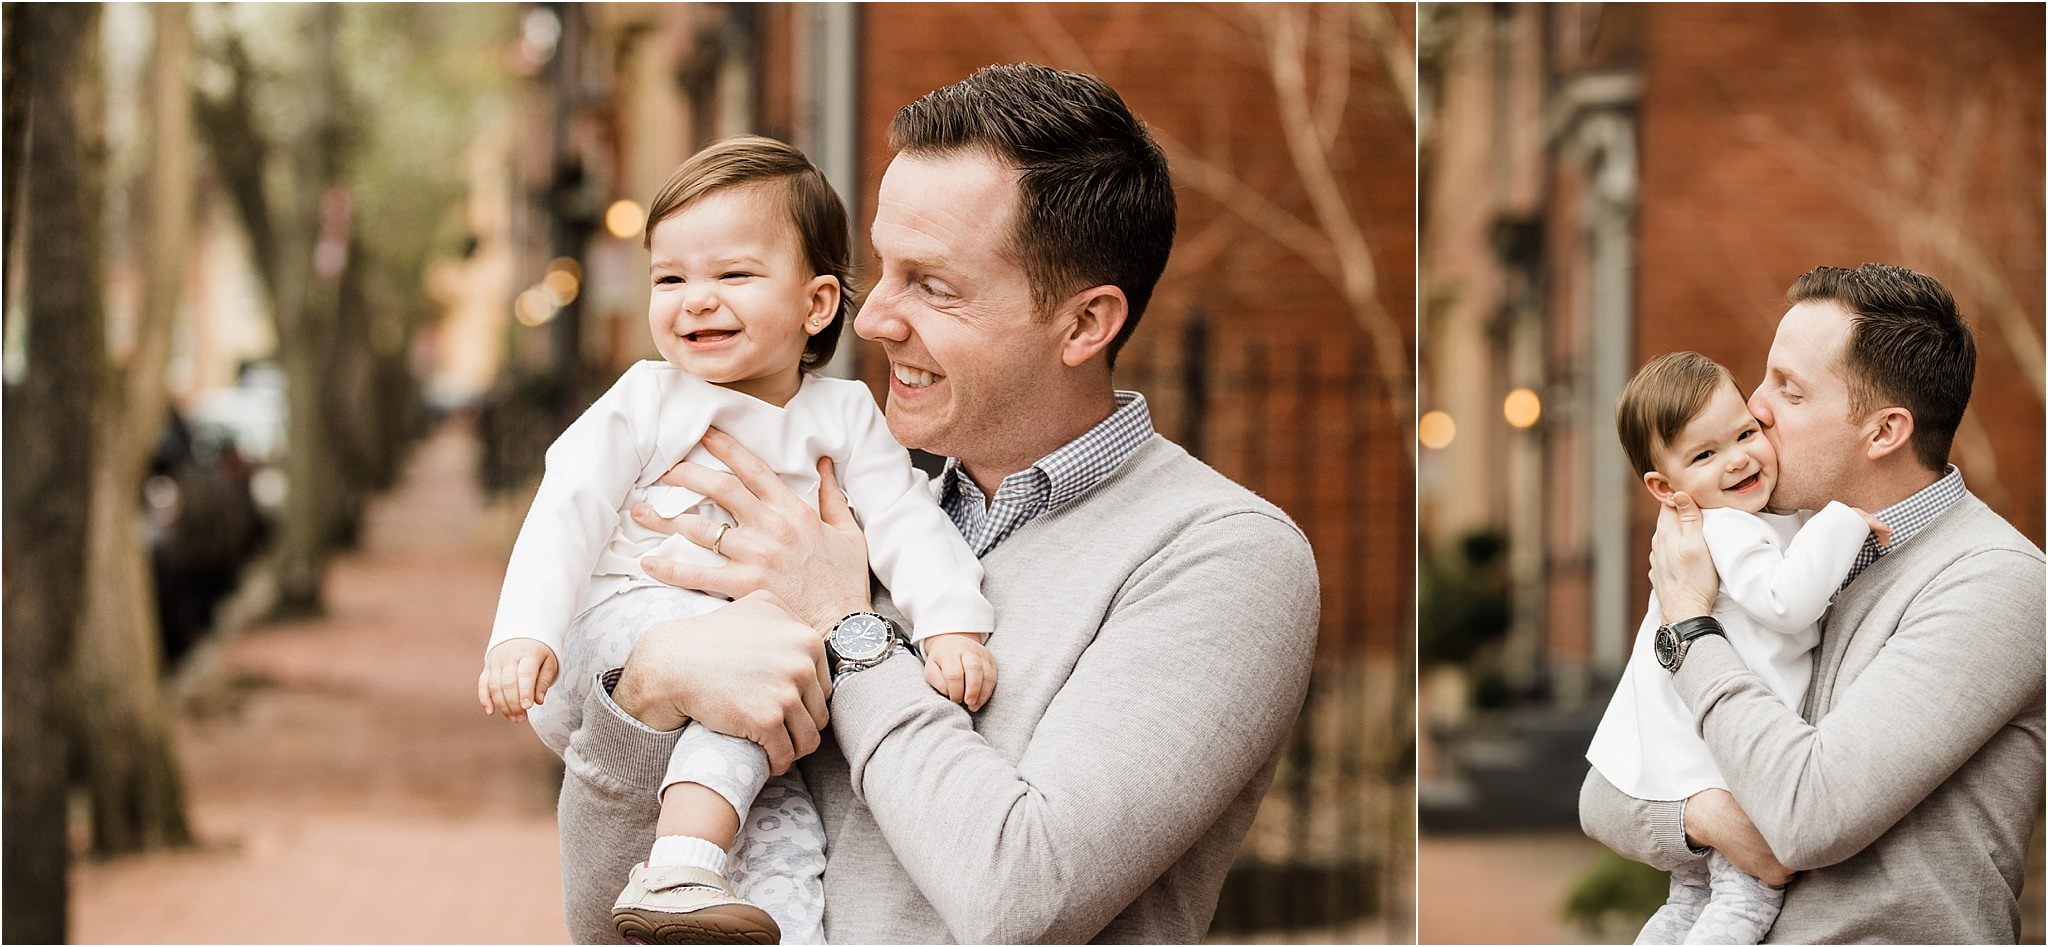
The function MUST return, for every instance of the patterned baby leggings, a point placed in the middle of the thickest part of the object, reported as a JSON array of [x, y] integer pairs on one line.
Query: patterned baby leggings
[[778, 857], [1714, 902]]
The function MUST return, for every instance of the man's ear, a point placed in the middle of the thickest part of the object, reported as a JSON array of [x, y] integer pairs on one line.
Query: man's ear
[[1887, 431], [823, 293], [1660, 486], [1094, 317]]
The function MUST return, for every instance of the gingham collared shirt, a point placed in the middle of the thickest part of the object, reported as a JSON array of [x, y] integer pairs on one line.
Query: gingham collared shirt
[[1907, 517], [1054, 481]]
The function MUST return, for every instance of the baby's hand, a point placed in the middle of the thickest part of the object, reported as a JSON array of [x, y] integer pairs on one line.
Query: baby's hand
[[516, 677], [1877, 526], [960, 667]]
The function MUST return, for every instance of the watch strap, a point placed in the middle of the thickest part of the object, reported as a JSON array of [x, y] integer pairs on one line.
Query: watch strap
[[1698, 627], [1681, 635]]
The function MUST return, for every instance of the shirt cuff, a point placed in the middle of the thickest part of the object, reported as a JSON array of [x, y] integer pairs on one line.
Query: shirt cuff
[[1667, 830]]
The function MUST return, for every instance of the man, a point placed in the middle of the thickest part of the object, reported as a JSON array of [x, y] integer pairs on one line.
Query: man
[[1904, 793], [1155, 622]]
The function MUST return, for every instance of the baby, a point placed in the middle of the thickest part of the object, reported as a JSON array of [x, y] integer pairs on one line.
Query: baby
[[749, 264], [1687, 429]]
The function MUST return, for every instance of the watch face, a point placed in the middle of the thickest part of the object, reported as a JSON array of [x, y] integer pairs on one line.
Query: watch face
[[1667, 646], [860, 638]]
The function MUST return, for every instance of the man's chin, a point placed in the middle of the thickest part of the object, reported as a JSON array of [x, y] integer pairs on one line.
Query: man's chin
[[907, 432]]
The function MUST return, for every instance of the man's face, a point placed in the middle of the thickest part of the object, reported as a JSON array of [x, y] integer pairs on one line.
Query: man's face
[[1803, 405], [952, 309]]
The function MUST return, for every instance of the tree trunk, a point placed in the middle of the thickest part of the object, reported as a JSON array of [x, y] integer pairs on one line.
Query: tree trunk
[[283, 237], [49, 451], [131, 778], [309, 507]]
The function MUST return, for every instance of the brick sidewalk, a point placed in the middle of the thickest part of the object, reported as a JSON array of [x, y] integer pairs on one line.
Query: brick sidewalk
[[345, 786], [1502, 889]]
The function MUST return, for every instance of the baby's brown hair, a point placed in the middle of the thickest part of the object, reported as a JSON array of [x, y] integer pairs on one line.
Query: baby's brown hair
[[814, 211], [1663, 397]]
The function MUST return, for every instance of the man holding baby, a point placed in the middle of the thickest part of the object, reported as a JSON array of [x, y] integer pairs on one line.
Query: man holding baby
[[1155, 622], [1898, 802]]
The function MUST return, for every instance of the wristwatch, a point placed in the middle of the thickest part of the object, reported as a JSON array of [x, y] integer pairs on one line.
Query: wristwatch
[[1674, 640], [860, 641]]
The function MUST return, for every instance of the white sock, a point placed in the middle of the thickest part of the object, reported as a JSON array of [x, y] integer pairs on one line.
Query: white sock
[[686, 851]]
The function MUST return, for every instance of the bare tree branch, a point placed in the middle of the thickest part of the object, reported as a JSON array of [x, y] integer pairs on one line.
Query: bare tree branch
[[1334, 52], [1396, 49], [1358, 278]]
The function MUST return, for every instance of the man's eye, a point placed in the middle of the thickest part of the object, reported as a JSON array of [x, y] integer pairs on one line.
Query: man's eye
[[664, 280], [1702, 455]]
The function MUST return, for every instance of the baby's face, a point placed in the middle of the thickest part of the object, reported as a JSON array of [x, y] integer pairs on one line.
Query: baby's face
[[733, 301], [1721, 458]]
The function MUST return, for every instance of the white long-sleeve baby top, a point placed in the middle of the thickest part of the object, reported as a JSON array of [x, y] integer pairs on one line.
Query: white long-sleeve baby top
[[1778, 576], [580, 545]]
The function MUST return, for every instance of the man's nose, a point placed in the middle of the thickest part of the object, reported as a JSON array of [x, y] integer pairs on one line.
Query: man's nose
[[876, 322], [1760, 408], [700, 297]]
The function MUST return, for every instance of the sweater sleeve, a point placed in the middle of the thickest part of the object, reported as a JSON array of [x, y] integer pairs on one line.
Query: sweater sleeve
[[1186, 692], [1785, 588], [590, 469], [1965, 659], [1651, 831], [913, 547]]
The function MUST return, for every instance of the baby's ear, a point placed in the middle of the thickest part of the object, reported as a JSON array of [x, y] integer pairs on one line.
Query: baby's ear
[[1660, 486], [823, 290]]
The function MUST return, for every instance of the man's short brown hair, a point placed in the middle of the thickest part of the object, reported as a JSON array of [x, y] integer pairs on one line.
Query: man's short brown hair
[[1095, 201], [1908, 346], [1663, 397], [815, 213]]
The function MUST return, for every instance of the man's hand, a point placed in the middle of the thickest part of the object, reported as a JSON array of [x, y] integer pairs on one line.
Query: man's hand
[[816, 563], [959, 666], [750, 670], [1681, 569], [1713, 819], [516, 677]]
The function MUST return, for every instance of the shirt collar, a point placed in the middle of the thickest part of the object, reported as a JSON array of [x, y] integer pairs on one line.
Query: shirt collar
[[1912, 514], [1077, 465]]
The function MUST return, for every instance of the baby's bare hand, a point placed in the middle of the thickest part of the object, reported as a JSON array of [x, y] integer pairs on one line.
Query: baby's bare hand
[[1878, 527], [960, 667], [516, 677]]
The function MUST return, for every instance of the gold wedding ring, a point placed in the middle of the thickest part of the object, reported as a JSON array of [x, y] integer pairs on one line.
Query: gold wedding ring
[[715, 540]]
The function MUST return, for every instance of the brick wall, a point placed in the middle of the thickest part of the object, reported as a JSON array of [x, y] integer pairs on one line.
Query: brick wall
[[1777, 138]]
